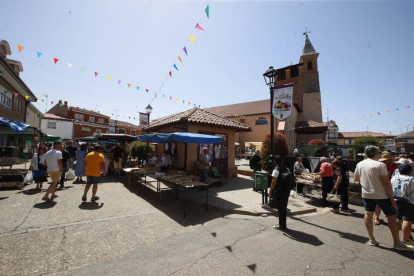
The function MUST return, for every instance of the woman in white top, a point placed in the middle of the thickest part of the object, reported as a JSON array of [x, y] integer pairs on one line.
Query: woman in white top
[[38, 167]]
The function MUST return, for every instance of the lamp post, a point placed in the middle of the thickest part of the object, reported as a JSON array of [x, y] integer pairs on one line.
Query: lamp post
[[269, 77], [148, 109]]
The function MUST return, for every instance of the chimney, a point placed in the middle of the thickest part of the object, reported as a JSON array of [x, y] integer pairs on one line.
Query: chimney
[[65, 104]]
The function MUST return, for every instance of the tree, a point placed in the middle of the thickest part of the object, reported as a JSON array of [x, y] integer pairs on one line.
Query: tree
[[365, 141], [316, 142], [140, 151], [280, 147]]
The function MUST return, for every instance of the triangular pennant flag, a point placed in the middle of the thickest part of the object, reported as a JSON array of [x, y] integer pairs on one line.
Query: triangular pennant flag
[[388, 110], [408, 106], [175, 66], [82, 69], [15, 94], [370, 115], [208, 11], [198, 27], [108, 78], [96, 74], [70, 65], [52, 102], [137, 87], [39, 54], [42, 99], [185, 50], [170, 74], [189, 103], [146, 90], [397, 109], [179, 58], [176, 100], [170, 98], [55, 60], [379, 113], [20, 47], [27, 97], [129, 85], [163, 96], [192, 38]]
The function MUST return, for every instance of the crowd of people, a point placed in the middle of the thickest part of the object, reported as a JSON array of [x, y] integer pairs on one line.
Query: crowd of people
[[87, 160], [387, 183]]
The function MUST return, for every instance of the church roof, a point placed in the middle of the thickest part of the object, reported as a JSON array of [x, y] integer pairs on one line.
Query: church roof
[[308, 48]]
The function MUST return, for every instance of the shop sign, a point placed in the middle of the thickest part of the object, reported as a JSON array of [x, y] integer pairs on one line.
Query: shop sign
[[143, 119]]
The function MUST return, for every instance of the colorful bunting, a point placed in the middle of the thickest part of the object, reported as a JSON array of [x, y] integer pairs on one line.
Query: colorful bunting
[[370, 115], [170, 98], [397, 109], [119, 82], [379, 113], [208, 11], [42, 99], [137, 87], [20, 47], [146, 90], [170, 74], [70, 65], [185, 50], [199, 27], [39, 54], [55, 60], [108, 78], [82, 69], [96, 74], [175, 66], [27, 97], [179, 58], [192, 38], [408, 106], [15, 94], [52, 102], [129, 85]]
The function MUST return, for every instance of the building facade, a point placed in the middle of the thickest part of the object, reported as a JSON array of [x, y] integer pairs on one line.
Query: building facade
[[15, 96], [57, 126], [122, 127]]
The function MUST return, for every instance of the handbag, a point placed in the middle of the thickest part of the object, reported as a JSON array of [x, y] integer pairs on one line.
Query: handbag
[[333, 197]]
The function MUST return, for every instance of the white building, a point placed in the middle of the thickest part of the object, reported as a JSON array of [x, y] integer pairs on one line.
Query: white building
[[57, 126]]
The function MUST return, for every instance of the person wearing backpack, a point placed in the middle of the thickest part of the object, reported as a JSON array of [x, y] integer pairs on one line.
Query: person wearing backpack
[[282, 182], [403, 188]]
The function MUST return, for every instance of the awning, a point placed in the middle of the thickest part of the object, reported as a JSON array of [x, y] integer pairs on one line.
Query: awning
[[14, 125], [183, 137]]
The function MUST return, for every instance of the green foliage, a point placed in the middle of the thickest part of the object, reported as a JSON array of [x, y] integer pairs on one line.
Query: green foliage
[[280, 147], [140, 151], [316, 142], [368, 140]]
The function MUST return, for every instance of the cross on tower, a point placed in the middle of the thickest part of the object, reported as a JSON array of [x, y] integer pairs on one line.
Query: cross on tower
[[306, 32]]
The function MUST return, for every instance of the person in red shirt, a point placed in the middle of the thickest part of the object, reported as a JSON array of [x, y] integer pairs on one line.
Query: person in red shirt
[[388, 160], [326, 172]]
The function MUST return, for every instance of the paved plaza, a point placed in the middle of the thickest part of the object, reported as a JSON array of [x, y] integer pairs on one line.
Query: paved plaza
[[128, 234]]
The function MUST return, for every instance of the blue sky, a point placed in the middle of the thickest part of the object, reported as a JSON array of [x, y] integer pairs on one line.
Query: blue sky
[[365, 63]]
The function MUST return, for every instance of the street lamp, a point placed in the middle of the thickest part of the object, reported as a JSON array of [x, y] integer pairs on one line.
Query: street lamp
[[269, 77], [148, 109]]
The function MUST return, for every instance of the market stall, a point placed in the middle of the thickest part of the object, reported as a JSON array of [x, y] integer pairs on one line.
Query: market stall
[[310, 180], [12, 177]]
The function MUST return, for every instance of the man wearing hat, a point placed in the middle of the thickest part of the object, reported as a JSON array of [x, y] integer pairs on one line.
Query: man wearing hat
[[388, 159]]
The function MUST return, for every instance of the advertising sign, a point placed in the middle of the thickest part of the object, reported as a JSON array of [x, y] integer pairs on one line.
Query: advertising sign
[[282, 101], [143, 119]]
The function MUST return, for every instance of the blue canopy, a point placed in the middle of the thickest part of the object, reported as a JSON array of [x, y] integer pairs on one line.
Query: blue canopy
[[14, 125], [183, 137]]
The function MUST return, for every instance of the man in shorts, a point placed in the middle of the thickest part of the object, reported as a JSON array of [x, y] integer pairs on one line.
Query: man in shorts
[[117, 155], [53, 161], [377, 190], [94, 164], [403, 186]]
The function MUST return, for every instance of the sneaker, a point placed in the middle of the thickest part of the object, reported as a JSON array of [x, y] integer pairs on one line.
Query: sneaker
[[403, 248], [95, 198], [373, 243], [84, 198], [411, 239], [407, 242], [277, 227], [334, 210]]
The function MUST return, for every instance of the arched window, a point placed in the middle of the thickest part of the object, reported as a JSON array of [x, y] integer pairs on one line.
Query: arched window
[[261, 121], [310, 65]]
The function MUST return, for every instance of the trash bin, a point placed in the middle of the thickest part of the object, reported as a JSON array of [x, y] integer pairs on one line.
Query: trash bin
[[261, 180]]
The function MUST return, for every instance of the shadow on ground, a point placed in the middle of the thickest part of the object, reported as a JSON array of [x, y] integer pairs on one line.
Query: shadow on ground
[[45, 205], [91, 205], [302, 237]]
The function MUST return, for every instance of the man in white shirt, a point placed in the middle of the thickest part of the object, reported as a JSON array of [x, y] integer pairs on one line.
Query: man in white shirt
[[54, 169], [377, 190]]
